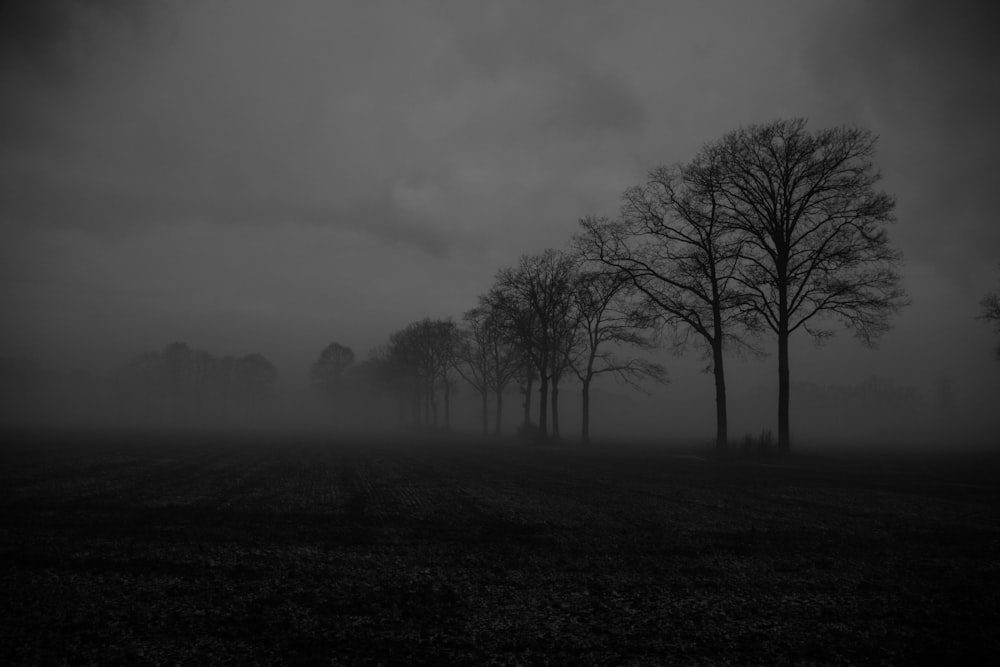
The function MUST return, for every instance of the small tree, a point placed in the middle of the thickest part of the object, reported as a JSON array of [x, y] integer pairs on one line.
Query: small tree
[[327, 373], [990, 312], [606, 319], [444, 339]]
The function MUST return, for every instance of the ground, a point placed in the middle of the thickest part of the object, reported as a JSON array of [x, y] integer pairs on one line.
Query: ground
[[467, 550]]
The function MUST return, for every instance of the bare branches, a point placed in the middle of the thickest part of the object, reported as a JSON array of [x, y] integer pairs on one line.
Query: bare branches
[[682, 259], [813, 229], [814, 225], [607, 318]]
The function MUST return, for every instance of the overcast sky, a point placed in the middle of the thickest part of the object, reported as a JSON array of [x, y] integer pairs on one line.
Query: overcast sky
[[251, 175]]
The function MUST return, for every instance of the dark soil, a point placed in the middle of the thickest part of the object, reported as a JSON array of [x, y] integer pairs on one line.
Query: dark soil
[[191, 550]]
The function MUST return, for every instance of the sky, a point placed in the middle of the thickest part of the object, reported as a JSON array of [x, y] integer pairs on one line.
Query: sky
[[258, 176]]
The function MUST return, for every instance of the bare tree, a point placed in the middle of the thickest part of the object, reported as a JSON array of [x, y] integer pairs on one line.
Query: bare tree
[[410, 371], [506, 362], [327, 373], [472, 357], [421, 356], [380, 375], [566, 344], [488, 358], [990, 312], [533, 299], [681, 258], [443, 345], [606, 320], [812, 228]]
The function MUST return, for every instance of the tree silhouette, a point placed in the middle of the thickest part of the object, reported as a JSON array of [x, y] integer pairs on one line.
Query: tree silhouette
[[180, 384], [489, 357], [421, 356], [327, 373], [535, 300], [812, 231], [328, 379], [606, 319], [672, 243], [990, 312], [473, 358], [178, 378], [443, 338]]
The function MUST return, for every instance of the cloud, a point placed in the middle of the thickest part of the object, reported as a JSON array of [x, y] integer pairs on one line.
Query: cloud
[[314, 114], [922, 75], [337, 169], [56, 39]]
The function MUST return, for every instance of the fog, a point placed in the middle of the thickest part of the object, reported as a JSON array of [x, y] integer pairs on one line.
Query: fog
[[267, 178]]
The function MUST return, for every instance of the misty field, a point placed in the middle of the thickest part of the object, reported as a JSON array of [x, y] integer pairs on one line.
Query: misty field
[[189, 550]]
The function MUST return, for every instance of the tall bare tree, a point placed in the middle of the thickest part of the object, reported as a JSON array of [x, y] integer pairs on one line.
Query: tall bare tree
[[606, 320], [813, 231], [674, 247]]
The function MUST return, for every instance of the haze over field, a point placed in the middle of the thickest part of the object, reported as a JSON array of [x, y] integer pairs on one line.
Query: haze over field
[[253, 176]]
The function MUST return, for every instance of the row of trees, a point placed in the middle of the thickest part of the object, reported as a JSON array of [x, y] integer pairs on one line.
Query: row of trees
[[555, 316], [180, 382], [770, 230], [551, 318]]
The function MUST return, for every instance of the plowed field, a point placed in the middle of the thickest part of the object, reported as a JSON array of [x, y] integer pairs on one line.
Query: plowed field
[[196, 551]]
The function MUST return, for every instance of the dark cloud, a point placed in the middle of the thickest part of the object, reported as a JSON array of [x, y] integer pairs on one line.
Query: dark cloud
[[285, 174], [923, 74], [28, 202], [55, 39]]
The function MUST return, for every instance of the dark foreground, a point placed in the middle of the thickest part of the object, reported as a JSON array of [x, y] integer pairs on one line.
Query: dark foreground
[[190, 551]]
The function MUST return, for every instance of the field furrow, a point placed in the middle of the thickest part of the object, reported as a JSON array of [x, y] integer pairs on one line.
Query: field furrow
[[489, 552]]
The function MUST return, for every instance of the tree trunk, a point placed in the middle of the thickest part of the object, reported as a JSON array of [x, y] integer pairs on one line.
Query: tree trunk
[[555, 408], [784, 439], [784, 434], [486, 424], [499, 414], [721, 420], [543, 407], [447, 404], [585, 420], [527, 401]]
